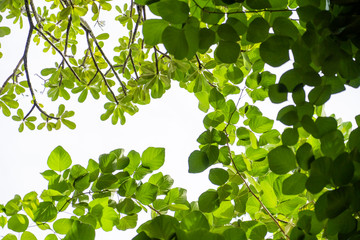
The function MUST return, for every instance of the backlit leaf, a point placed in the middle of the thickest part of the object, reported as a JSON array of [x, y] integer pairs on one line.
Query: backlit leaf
[[173, 11], [198, 161], [227, 51], [218, 176], [258, 30], [153, 29], [59, 159], [294, 184], [175, 42], [275, 50], [281, 160], [153, 158]]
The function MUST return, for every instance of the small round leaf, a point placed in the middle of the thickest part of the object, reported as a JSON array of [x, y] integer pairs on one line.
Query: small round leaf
[[218, 176]]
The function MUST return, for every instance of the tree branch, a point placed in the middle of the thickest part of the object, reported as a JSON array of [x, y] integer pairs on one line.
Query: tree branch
[[27, 46]]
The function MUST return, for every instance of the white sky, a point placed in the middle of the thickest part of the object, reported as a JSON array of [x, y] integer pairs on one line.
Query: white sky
[[173, 122]]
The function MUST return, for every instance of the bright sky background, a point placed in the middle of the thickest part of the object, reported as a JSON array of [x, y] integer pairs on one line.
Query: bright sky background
[[173, 122]]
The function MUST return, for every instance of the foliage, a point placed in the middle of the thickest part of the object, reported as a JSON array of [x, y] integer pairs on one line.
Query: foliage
[[301, 183]]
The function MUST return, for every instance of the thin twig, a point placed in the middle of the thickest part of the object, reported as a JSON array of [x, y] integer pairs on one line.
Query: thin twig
[[93, 78], [27, 46], [253, 193], [133, 64], [32, 5], [237, 104], [87, 28], [61, 54], [163, 54], [244, 179], [152, 208], [156, 62], [98, 69], [198, 60]]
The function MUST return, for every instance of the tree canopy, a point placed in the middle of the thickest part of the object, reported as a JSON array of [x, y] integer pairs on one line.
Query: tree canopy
[[300, 182]]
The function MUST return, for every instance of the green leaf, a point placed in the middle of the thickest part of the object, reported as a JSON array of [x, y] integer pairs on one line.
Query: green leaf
[[146, 193], [256, 154], [161, 227], [103, 36], [211, 15], [3, 221], [234, 74], [234, 234], [64, 13], [63, 225], [4, 31], [227, 51], [127, 222], [290, 136], [325, 125], [9, 236], [153, 158], [260, 124], [105, 181], [28, 236], [45, 212], [153, 29], [173, 11], [213, 119], [175, 42], [59, 159], [218, 176], [337, 202], [258, 30], [193, 221], [258, 232], [209, 201], [80, 231], [69, 124], [354, 139], [237, 24], [227, 33], [291, 79], [304, 156], [294, 184], [51, 237], [216, 99], [18, 223], [275, 50], [198, 161], [288, 115], [319, 175], [128, 188], [320, 95], [206, 39], [332, 144], [258, 4], [107, 162], [281, 160], [342, 169], [278, 93], [284, 27]]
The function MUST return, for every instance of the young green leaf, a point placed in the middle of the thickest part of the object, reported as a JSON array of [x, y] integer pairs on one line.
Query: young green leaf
[[59, 159]]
